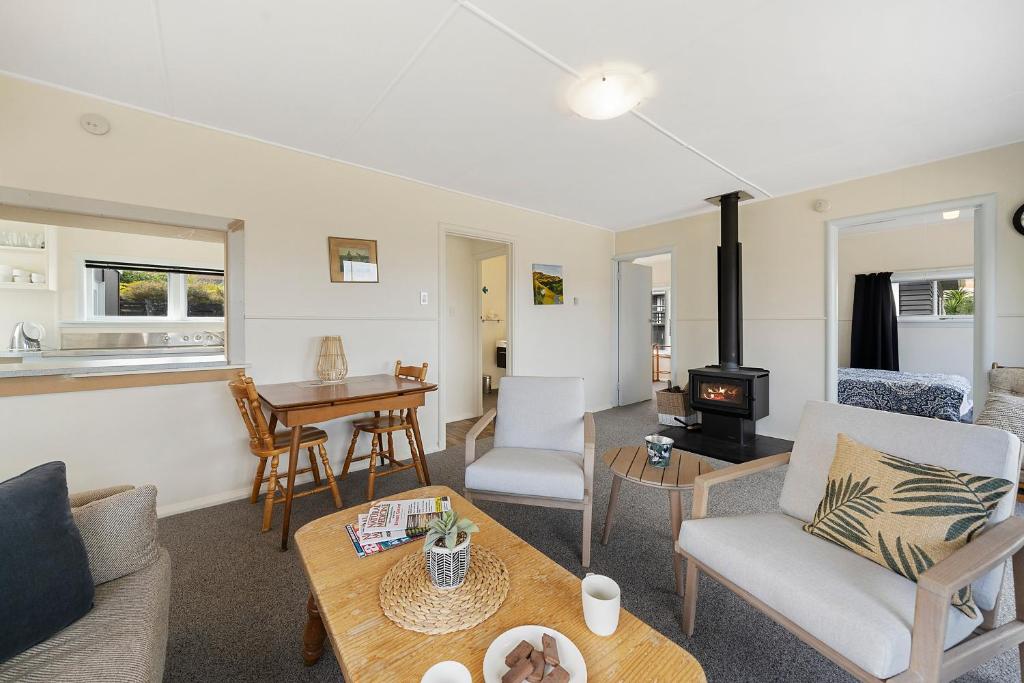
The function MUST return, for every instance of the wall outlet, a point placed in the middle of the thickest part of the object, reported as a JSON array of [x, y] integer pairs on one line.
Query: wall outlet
[[424, 299]]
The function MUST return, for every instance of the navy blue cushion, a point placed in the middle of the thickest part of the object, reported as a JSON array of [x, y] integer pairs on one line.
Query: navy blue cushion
[[44, 570]]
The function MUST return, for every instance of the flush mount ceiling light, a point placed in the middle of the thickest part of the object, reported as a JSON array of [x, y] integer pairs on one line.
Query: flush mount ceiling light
[[606, 95], [951, 215]]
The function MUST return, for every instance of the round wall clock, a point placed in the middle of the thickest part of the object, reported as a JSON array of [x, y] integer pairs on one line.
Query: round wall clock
[[1018, 219]]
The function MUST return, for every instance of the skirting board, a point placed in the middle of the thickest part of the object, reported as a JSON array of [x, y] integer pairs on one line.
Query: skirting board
[[240, 493]]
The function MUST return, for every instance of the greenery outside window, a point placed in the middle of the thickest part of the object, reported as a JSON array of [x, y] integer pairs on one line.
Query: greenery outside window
[[937, 296], [136, 291]]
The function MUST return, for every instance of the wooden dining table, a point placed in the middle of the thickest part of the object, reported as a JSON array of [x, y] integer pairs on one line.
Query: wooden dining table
[[297, 404]]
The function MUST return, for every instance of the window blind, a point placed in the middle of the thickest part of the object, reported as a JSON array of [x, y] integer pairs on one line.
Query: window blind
[[151, 267]]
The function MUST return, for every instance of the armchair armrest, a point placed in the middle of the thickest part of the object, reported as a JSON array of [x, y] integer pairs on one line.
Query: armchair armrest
[[935, 588], [475, 432], [589, 443], [994, 546], [703, 482]]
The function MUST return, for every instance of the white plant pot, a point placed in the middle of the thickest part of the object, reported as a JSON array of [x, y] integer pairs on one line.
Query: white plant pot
[[447, 568]]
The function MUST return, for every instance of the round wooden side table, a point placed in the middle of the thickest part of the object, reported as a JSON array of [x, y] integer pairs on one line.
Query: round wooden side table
[[630, 463]]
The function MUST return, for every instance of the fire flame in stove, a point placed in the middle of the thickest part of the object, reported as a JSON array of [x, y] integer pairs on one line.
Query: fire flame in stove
[[720, 392]]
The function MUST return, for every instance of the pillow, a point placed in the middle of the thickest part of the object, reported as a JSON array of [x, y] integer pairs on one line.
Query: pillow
[[901, 514], [119, 532], [1007, 380], [44, 570], [1004, 411]]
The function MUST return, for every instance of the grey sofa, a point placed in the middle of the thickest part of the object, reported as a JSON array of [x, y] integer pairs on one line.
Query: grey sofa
[[124, 636]]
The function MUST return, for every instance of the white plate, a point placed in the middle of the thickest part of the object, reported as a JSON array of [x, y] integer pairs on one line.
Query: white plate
[[569, 655]]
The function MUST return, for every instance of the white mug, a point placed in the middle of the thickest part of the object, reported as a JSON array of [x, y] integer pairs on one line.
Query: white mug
[[447, 672], [601, 598]]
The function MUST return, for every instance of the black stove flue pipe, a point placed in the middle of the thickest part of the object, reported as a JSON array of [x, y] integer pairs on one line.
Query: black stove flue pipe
[[730, 286]]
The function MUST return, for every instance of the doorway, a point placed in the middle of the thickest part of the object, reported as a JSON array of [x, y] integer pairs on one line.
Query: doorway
[[938, 266], [477, 312], [643, 303]]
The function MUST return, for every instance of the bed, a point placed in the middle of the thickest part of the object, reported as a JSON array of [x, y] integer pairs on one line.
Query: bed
[[946, 397]]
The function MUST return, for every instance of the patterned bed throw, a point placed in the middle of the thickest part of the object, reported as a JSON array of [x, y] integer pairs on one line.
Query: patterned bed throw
[[940, 396]]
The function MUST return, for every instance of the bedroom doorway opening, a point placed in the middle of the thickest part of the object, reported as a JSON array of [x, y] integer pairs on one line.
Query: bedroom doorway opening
[[907, 310]]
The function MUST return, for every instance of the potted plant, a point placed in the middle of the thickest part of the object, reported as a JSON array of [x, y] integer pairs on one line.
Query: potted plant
[[447, 548]]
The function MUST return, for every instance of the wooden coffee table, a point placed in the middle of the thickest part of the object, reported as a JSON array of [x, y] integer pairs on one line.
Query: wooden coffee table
[[630, 463], [344, 605]]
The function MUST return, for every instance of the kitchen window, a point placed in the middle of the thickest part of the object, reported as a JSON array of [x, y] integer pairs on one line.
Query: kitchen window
[[134, 291]]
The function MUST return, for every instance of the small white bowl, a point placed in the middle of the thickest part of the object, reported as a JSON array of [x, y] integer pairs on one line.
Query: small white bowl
[[18, 272], [37, 278], [447, 672]]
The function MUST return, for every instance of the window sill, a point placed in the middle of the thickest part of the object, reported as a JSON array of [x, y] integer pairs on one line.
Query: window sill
[[90, 376], [928, 321]]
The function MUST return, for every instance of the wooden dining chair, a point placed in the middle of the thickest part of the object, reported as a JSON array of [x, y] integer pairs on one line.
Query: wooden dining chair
[[266, 445], [380, 426]]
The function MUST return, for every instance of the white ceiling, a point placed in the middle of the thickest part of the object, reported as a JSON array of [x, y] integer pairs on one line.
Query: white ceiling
[[770, 97]]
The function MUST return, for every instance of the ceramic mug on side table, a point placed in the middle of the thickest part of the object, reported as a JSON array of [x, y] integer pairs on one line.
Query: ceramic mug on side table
[[601, 601]]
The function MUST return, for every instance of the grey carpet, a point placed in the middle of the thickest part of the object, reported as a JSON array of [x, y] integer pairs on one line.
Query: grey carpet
[[238, 604]]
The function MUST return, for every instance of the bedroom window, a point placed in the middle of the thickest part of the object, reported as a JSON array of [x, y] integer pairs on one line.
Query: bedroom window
[[934, 296], [133, 291]]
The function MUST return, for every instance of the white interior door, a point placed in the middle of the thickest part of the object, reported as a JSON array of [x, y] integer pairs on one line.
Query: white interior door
[[634, 333]]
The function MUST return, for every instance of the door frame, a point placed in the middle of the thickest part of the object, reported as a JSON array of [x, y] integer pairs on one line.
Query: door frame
[[673, 284], [511, 244], [984, 283]]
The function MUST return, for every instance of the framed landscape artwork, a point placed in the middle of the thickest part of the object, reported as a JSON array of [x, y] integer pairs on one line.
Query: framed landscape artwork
[[352, 260], [547, 284]]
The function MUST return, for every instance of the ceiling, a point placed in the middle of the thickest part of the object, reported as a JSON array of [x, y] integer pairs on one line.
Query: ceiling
[[769, 97]]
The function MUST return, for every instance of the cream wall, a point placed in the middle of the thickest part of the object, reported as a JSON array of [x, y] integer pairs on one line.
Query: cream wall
[[784, 270], [189, 439], [494, 276], [933, 347]]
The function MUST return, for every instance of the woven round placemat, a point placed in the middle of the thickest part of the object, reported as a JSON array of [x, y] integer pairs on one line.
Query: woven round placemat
[[409, 599]]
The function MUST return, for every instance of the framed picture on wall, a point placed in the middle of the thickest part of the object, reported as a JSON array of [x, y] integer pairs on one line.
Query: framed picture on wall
[[352, 260], [547, 284]]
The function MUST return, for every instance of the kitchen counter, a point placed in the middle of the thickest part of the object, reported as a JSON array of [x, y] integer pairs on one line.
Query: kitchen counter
[[65, 365]]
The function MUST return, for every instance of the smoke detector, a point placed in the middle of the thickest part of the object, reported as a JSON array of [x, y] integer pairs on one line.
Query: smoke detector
[[97, 124]]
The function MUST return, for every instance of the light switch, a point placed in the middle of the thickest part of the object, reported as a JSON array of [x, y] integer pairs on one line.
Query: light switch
[[424, 299]]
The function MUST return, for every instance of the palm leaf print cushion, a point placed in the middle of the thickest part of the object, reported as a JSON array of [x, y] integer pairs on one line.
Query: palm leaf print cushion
[[902, 514]]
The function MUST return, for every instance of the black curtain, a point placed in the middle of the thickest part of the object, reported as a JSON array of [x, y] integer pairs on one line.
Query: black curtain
[[874, 343]]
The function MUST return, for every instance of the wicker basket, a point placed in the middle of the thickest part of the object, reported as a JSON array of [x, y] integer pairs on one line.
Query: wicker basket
[[672, 404]]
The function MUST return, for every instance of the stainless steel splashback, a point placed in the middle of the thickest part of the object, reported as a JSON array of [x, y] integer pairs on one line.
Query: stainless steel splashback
[[140, 340]]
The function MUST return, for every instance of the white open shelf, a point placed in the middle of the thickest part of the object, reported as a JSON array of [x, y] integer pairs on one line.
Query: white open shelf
[[33, 259], [38, 286], [24, 250]]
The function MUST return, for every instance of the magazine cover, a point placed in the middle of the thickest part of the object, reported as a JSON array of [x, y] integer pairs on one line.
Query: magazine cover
[[409, 517], [365, 548]]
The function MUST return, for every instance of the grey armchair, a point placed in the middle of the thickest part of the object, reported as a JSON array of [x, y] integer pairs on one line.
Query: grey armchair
[[543, 449], [873, 623]]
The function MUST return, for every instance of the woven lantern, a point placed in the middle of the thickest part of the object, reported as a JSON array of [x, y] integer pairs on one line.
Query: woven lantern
[[332, 365]]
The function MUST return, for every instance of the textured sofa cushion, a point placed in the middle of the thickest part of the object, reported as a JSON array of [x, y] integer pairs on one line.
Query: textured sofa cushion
[[859, 609], [540, 412], [45, 582], [1004, 411], [903, 515], [119, 531], [1008, 380], [970, 448], [528, 472], [122, 640]]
